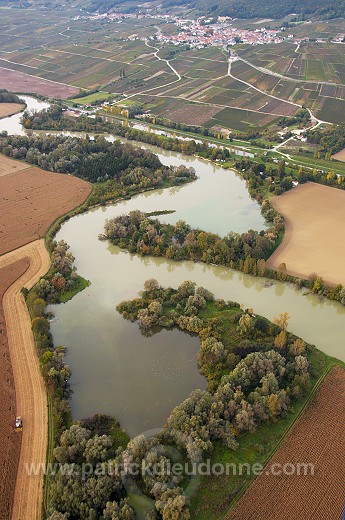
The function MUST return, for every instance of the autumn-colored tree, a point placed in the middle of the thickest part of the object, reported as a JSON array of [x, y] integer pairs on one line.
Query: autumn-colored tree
[[297, 348], [282, 320], [280, 340]]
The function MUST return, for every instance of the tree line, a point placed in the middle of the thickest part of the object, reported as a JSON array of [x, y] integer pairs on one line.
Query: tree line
[[329, 140], [8, 97], [264, 174], [119, 170], [61, 278], [146, 236]]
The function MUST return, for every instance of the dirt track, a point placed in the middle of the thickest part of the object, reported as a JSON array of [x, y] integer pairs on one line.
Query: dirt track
[[29, 385], [314, 240], [10, 440]]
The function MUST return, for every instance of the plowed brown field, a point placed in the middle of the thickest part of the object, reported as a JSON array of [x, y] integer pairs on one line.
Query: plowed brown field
[[7, 109], [314, 240], [31, 199], [340, 156], [16, 81], [317, 438], [8, 166], [31, 397], [9, 439]]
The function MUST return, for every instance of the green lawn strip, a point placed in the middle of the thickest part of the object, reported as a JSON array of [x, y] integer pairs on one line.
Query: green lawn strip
[[332, 166], [86, 100], [141, 504], [80, 285]]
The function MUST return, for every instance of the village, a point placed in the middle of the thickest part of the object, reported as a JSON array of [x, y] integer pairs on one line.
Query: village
[[201, 32]]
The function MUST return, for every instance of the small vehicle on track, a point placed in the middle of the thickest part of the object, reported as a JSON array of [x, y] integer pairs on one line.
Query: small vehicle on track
[[19, 423]]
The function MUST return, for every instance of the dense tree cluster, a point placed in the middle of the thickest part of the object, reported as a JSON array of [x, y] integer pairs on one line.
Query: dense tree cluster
[[61, 278], [329, 140], [301, 118], [265, 9], [142, 235], [96, 493], [93, 160], [119, 169], [256, 388], [8, 97], [249, 389]]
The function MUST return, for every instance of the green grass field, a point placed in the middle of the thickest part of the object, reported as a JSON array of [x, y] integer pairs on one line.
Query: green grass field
[[97, 96]]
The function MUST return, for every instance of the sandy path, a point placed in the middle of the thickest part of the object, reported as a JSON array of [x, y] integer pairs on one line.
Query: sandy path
[[29, 385]]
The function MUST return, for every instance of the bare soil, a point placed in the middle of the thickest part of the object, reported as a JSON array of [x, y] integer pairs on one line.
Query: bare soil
[[20, 82], [10, 440], [317, 438], [8, 165], [31, 199], [8, 109], [31, 399], [340, 156], [314, 240]]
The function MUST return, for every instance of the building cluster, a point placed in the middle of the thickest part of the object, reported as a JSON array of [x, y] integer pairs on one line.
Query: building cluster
[[223, 31], [202, 32]]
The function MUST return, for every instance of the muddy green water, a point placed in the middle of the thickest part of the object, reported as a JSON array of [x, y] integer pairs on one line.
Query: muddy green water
[[139, 380], [115, 369]]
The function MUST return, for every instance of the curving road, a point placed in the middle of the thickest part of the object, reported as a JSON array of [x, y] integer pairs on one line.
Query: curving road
[[30, 389]]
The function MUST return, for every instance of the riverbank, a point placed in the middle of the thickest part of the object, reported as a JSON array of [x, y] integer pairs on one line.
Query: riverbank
[[102, 265], [213, 495]]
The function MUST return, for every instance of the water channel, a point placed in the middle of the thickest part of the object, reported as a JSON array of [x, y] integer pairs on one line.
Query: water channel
[[115, 369]]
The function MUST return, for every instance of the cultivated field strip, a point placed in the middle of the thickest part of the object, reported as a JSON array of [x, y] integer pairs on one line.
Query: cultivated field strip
[[318, 439], [30, 200], [29, 385], [313, 242], [10, 440]]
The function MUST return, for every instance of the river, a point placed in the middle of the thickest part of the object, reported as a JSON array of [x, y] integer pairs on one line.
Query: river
[[115, 369]]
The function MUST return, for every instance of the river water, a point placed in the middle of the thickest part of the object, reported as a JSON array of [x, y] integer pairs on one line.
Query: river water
[[118, 371]]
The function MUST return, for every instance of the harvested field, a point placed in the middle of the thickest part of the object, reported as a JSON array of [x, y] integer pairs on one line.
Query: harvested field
[[19, 82], [31, 199], [10, 440], [8, 109], [8, 166], [194, 114], [318, 439], [340, 156], [314, 240], [31, 400]]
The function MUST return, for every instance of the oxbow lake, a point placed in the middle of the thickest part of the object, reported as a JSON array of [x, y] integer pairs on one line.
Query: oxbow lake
[[115, 369]]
